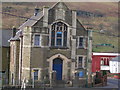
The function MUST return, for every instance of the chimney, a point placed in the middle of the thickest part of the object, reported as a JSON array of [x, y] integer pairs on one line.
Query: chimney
[[14, 31], [36, 11]]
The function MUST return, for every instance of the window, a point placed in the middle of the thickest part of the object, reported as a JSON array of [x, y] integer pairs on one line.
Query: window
[[37, 40], [59, 34], [59, 39], [80, 62], [80, 41], [35, 74], [105, 61]]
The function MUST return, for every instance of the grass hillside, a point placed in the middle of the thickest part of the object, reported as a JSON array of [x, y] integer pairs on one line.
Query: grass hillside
[[108, 24]]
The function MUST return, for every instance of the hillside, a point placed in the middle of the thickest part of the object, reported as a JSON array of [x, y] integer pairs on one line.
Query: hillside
[[108, 23]]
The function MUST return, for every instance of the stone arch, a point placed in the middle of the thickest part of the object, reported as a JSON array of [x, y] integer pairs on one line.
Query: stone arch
[[65, 64]]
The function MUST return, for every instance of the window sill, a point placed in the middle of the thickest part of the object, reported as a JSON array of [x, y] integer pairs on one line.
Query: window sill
[[37, 46], [82, 47], [80, 68], [58, 47]]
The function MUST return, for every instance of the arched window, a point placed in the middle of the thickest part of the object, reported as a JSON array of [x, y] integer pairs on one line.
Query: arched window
[[59, 34]]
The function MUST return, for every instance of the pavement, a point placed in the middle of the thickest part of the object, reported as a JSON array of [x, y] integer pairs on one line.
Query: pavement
[[66, 89], [112, 84]]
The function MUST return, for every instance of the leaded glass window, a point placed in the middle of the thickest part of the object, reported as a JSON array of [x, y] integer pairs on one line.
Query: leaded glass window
[[59, 34]]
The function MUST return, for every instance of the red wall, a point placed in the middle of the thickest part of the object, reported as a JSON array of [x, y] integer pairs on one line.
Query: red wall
[[96, 61]]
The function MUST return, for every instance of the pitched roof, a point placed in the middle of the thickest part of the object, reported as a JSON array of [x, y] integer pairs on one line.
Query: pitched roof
[[35, 18], [59, 5], [32, 20], [116, 59], [29, 22]]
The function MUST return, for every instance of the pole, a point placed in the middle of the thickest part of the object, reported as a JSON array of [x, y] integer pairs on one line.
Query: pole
[[44, 82], [89, 53], [87, 62], [33, 84]]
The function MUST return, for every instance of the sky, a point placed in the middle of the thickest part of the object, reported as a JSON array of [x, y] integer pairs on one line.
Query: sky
[[60, 0]]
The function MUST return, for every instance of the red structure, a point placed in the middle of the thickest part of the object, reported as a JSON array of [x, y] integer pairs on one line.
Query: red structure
[[100, 61]]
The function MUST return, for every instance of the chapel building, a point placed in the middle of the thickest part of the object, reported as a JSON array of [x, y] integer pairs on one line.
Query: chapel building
[[52, 44]]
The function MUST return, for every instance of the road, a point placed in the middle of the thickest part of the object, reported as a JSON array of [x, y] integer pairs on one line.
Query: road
[[112, 83]]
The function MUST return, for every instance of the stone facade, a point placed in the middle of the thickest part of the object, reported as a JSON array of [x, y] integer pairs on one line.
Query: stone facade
[[53, 40]]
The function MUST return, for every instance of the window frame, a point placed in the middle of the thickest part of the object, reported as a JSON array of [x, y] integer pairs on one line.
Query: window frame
[[56, 38], [83, 61], [39, 72], [40, 38], [64, 29], [84, 42]]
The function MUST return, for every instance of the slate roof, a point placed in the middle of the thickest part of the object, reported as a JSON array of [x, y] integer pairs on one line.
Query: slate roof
[[32, 20], [29, 22], [6, 35], [116, 59]]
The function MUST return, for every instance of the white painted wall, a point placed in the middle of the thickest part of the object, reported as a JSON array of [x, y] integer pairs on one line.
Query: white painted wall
[[114, 67]]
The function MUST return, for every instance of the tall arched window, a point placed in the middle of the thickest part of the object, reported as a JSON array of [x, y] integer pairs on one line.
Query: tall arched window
[[59, 34]]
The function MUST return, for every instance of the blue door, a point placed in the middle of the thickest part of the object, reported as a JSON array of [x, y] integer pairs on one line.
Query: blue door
[[57, 66]]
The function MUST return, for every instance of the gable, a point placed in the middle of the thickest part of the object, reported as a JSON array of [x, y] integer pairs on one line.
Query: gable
[[60, 5], [60, 11]]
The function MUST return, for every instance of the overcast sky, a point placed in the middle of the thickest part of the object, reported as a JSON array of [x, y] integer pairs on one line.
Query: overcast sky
[[60, 0]]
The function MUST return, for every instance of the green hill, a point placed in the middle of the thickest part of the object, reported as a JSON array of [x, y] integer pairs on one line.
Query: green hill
[[108, 23]]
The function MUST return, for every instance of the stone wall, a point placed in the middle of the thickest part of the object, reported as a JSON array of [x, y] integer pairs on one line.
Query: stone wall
[[14, 62]]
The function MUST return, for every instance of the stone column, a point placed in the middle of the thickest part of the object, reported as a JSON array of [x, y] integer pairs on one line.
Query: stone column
[[26, 53], [45, 18], [73, 41]]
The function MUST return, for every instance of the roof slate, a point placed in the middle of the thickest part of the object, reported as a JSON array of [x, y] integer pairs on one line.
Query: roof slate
[[29, 22], [116, 59], [32, 20]]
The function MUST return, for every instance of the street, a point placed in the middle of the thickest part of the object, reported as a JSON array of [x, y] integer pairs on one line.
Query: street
[[112, 83]]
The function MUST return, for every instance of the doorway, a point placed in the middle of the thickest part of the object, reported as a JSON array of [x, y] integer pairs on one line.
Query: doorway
[[58, 66]]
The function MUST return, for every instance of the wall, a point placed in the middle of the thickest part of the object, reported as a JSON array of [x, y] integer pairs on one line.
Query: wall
[[5, 64], [14, 62]]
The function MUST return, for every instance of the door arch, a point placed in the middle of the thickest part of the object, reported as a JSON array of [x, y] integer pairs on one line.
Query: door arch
[[58, 67]]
